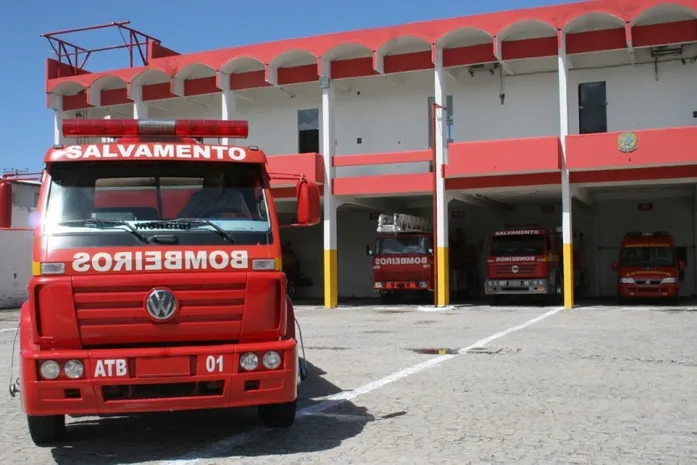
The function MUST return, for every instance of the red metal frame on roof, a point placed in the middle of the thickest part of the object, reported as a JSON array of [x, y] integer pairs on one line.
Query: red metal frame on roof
[[75, 56]]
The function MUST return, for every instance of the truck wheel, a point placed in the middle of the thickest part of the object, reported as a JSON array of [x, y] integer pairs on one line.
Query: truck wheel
[[46, 429], [278, 415], [290, 289], [558, 297]]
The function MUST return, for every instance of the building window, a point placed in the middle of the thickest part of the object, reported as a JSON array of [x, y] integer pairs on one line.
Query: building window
[[308, 131], [36, 199], [449, 115], [592, 108]]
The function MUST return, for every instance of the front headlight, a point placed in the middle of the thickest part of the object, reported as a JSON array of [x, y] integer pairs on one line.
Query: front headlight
[[626, 280], [74, 369], [249, 361], [50, 369], [669, 280], [264, 264]]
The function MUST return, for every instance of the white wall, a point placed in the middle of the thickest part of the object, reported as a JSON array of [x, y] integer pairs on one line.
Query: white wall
[[15, 251], [393, 116], [637, 100]]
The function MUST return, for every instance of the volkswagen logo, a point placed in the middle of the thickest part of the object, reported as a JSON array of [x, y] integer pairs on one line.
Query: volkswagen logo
[[514, 268], [161, 304]]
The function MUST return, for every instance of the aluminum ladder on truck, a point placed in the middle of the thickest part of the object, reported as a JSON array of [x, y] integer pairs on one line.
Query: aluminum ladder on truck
[[403, 223]]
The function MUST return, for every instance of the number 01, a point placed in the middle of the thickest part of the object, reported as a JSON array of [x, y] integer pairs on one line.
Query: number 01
[[214, 363]]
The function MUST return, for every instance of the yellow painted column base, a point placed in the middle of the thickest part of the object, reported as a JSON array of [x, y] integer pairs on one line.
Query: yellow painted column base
[[443, 289], [568, 276], [331, 278]]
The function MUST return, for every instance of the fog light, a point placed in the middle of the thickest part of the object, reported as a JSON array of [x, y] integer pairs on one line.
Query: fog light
[[423, 284], [74, 369], [271, 360], [249, 361], [50, 369]]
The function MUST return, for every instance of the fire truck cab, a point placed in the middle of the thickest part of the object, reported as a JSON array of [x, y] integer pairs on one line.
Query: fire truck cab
[[157, 281], [524, 261], [402, 257], [648, 267]]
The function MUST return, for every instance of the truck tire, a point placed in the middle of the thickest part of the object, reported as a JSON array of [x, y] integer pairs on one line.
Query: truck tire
[[46, 429], [291, 289], [558, 296], [278, 415]]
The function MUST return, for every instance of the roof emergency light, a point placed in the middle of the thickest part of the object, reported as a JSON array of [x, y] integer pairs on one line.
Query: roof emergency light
[[138, 127]]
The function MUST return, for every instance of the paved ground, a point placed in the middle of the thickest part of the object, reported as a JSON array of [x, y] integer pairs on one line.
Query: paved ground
[[600, 385]]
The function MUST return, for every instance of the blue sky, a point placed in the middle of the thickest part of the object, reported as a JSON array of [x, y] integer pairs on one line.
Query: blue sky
[[185, 26]]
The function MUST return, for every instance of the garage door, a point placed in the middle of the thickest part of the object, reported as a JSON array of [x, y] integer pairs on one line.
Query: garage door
[[616, 217]]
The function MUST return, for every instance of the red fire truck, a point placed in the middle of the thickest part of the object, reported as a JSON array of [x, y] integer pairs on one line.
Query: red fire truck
[[403, 256], [524, 261], [528, 260], [648, 267], [157, 281]]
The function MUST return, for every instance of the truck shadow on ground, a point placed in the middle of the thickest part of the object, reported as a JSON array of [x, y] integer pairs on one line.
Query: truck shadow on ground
[[233, 433]]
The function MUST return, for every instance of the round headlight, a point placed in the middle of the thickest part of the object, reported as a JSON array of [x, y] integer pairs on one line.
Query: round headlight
[[249, 361], [271, 360], [74, 369], [50, 369]]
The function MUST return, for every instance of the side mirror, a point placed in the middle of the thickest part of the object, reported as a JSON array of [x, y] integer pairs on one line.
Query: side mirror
[[5, 204], [307, 193], [368, 250], [682, 265], [614, 265]]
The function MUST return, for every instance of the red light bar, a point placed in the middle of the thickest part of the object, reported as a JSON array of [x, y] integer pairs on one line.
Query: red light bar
[[135, 128]]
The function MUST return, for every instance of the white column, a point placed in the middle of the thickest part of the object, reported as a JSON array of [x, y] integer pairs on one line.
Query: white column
[[331, 296], [441, 139], [566, 219], [56, 103], [228, 102], [140, 108]]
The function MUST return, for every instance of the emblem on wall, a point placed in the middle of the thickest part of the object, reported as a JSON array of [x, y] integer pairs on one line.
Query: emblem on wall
[[627, 142]]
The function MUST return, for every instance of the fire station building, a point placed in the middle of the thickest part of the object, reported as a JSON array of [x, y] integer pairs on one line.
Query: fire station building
[[580, 116]]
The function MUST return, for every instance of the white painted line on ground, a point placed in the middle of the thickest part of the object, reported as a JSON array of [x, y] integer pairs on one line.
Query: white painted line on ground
[[5, 330], [431, 308], [229, 444]]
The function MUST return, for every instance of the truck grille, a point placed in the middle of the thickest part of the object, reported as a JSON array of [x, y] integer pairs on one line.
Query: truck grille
[[112, 310], [526, 269]]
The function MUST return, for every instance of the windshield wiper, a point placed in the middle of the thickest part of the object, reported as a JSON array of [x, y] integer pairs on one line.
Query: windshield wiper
[[200, 222], [107, 223]]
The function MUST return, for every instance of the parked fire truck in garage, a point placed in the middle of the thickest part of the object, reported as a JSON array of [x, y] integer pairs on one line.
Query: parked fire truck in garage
[[403, 256], [528, 261], [156, 277], [648, 267]]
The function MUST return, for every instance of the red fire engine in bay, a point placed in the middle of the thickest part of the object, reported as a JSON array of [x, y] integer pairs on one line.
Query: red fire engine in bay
[[403, 256], [528, 261], [648, 267], [157, 281]]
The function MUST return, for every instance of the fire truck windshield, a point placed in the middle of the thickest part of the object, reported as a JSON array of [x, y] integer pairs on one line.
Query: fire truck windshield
[[648, 256], [508, 246], [401, 245], [161, 203]]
